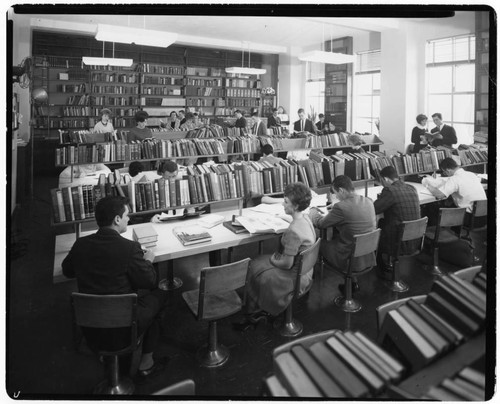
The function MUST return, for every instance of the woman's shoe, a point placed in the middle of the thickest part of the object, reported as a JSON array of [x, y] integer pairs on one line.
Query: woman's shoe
[[244, 325]]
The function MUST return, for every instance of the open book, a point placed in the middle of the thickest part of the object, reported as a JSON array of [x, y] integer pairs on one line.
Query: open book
[[191, 234], [263, 224]]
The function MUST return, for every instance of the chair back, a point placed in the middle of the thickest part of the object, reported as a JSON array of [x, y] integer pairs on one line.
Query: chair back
[[221, 279], [449, 217], [365, 243], [183, 388], [306, 261], [480, 208], [412, 230], [384, 308], [107, 312]]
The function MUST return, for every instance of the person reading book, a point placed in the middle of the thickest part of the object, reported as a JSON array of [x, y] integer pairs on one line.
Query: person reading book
[[104, 125], [419, 134], [353, 214], [442, 134], [107, 263], [140, 131], [273, 119], [270, 279]]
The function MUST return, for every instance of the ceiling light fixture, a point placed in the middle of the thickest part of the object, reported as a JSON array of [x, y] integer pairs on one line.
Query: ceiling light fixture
[[113, 33], [94, 61], [242, 69]]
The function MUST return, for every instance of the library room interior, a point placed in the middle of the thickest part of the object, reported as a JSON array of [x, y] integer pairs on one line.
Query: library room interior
[[250, 202]]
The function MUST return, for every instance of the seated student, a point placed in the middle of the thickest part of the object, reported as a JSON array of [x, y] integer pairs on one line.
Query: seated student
[[353, 214], [240, 122], [274, 119], [303, 124], [85, 174], [267, 151], [107, 263], [191, 122], [324, 126], [271, 278], [137, 173], [104, 125], [398, 202], [141, 131]]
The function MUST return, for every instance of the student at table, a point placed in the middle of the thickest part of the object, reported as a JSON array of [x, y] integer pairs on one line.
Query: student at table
[[398, 202], [271, 278], [353, 214], [107, 263], [104, 125]]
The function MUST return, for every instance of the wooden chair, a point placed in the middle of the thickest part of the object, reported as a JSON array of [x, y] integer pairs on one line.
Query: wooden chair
[[441, 233], [217, 298], [479, 209], [408, 231], [183, 388], [363, 244], [384, 308], [109, 312], [290, 327]]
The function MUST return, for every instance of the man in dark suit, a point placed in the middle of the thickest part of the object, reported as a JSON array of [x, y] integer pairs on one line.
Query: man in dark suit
[[241, 122], [303, 124], [442, 134], [106, 263], [259, 128], [274, 119], [398, 202]]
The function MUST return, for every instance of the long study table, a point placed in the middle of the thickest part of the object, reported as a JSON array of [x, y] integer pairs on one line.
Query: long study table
[[170, 248]]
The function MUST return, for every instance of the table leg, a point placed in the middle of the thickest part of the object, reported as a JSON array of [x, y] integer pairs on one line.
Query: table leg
[[78, 229], [215, 258], [170, 282]]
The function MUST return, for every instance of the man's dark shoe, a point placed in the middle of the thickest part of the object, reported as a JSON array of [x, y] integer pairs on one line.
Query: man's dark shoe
[[147, 374], [385, 272], [354, 287]]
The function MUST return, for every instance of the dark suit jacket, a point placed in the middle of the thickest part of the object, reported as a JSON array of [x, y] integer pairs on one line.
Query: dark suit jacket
[[241, 123], [272, 121], [308, 126], [449, 136], [398, 203], [107, 263]]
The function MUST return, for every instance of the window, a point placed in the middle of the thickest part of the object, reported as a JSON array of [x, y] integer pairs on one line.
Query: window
[[366, 102], [315, 89], [450, 80]]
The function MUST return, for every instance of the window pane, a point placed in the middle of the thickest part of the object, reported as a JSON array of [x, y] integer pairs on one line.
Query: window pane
[[376, 106], [465, 77], [362, 125], [363, 106], [465, 133], [472, 55], [462, 48], [363, 84], [376, 81], [463, 108], [440, 103], [440, 79], [443, 51]]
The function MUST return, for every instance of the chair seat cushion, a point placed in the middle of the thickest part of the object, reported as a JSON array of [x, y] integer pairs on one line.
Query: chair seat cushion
[[216, 306], [445, 235]]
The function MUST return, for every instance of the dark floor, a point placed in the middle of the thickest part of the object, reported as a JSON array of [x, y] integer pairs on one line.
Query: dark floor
[[41, 359]]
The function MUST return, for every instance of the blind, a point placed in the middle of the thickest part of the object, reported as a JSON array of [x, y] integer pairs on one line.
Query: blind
[[455, 49], [368, 61], [315, 71]]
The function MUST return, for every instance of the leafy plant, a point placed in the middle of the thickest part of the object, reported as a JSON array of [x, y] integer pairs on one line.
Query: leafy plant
[[312, 115]]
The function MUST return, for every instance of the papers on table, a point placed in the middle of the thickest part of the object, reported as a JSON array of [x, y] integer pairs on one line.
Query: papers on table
[[172, 214], [262, 224]]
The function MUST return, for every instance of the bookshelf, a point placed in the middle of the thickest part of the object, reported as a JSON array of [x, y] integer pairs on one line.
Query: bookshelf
[[482, 72], [338, 84]]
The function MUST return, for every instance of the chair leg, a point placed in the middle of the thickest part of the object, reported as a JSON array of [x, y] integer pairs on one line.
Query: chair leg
[[347, 303], [213, 354], [114, 384], [397, 285], [435, 270], [230, 255], [288, 326]]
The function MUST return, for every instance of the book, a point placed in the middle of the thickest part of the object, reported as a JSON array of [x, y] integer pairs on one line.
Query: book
[[189, 235], [293, 377], [262, 224], [234, 227], [172, 214], [457, 334], [144, 233]]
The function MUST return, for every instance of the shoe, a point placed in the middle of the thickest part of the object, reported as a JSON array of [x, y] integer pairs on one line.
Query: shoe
[[354, 287], [147, 374], [251, 321], [385, 272]]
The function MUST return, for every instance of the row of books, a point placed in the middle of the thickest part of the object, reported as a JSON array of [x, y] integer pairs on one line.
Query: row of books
[[205, 91], [243, 102], [83, 99], [76, 111], [340, 365], [161, 91], [204, 82], [473, 156], [155, 69], [66, 123], [115, 89], [74, 203], [466, 385], [328, 140], [71, 88], [243, 92], [244, 83], [420, 333], [212, 130], [480, 137], [419, 162], [115, 101], [115, 77], [203, 71], [162, 80], [204, 102]]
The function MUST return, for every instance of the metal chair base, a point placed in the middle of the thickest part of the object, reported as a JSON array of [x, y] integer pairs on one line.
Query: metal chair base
[[289, 329], [349, 306], [398, 286], [125, 386], [210, 359], [175, 283], [434, 270]]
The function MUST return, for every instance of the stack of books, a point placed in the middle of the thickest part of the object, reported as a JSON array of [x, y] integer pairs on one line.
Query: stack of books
[[145, 235], [189, 235]]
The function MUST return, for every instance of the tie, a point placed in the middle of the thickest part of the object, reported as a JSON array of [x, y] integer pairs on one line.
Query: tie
[[302, 125], [257, 128]]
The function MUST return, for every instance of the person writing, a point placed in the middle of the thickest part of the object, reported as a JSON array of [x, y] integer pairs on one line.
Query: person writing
[[271, 278], [273, 119], [398, 202], [141, 131], [303, 124], [105, 263], [353, 214], [442, 134], [104, 125], [419, 134]]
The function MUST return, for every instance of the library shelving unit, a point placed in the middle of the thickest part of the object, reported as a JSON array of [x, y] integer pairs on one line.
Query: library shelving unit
[[205, 90], [268, 102], [338, 84], [242, 92], [482, 72]]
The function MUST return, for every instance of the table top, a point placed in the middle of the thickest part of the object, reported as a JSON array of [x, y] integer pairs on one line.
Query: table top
[[169, 247]]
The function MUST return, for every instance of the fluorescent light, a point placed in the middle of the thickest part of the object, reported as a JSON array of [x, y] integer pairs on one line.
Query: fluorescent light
[[107, 61], [113, 33], [327, 57], [245, 70]]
